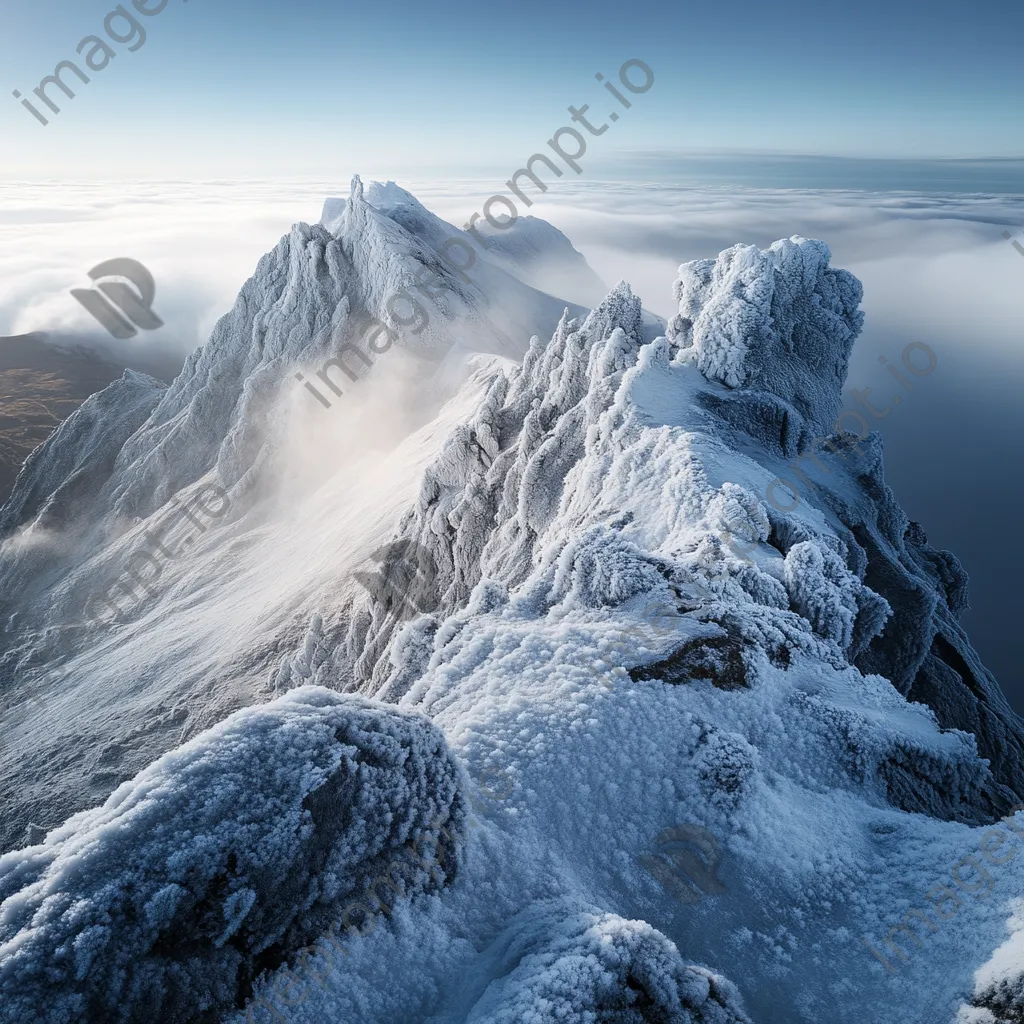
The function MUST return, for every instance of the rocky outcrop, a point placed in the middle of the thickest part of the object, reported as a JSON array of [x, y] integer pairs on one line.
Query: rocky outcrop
[[221, 859], [593, 966]]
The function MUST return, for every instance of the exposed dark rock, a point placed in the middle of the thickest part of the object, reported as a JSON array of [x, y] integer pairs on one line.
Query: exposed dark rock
[[928, 658], [718, 659]]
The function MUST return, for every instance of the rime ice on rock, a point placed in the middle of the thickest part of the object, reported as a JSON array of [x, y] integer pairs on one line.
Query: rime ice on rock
[[580, 965], [779, 320], [220, 860]]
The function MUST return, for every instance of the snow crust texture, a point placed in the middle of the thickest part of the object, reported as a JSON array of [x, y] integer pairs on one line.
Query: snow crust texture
[[220, 859], [776, 327]]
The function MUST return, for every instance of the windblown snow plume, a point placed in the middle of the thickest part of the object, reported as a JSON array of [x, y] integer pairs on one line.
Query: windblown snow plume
[[616, 633]]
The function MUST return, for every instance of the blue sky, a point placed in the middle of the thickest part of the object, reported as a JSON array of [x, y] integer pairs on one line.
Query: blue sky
[[314, 87]]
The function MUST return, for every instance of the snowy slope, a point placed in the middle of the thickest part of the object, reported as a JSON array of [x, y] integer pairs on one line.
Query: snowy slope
[[625, 646]]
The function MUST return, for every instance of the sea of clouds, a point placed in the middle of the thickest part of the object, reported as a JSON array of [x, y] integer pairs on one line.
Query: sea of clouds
[[934, 264]]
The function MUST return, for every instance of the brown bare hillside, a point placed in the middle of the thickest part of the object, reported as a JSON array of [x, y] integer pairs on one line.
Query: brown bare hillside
[[41, 385]]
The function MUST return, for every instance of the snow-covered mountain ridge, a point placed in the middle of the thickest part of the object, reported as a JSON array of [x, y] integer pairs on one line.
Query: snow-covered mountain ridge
[[809, 699], [87, 504]]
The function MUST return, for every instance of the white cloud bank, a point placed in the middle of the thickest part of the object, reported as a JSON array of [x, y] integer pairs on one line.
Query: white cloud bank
[[933, 265]]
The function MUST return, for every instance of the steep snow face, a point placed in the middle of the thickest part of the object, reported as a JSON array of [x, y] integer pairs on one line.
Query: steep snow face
[[529, 248], [207, 617], [61, 475], [616, 623], [481, 306]]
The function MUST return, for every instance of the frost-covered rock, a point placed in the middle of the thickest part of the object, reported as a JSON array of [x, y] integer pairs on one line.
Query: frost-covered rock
[[831, 597], [590, 470], [998, 996], [221, 859], [495, 486], [779, 321], [599, 967], [776, 327]]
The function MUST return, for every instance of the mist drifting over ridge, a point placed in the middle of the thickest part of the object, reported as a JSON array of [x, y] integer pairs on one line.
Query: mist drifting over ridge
[[934, 264]]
